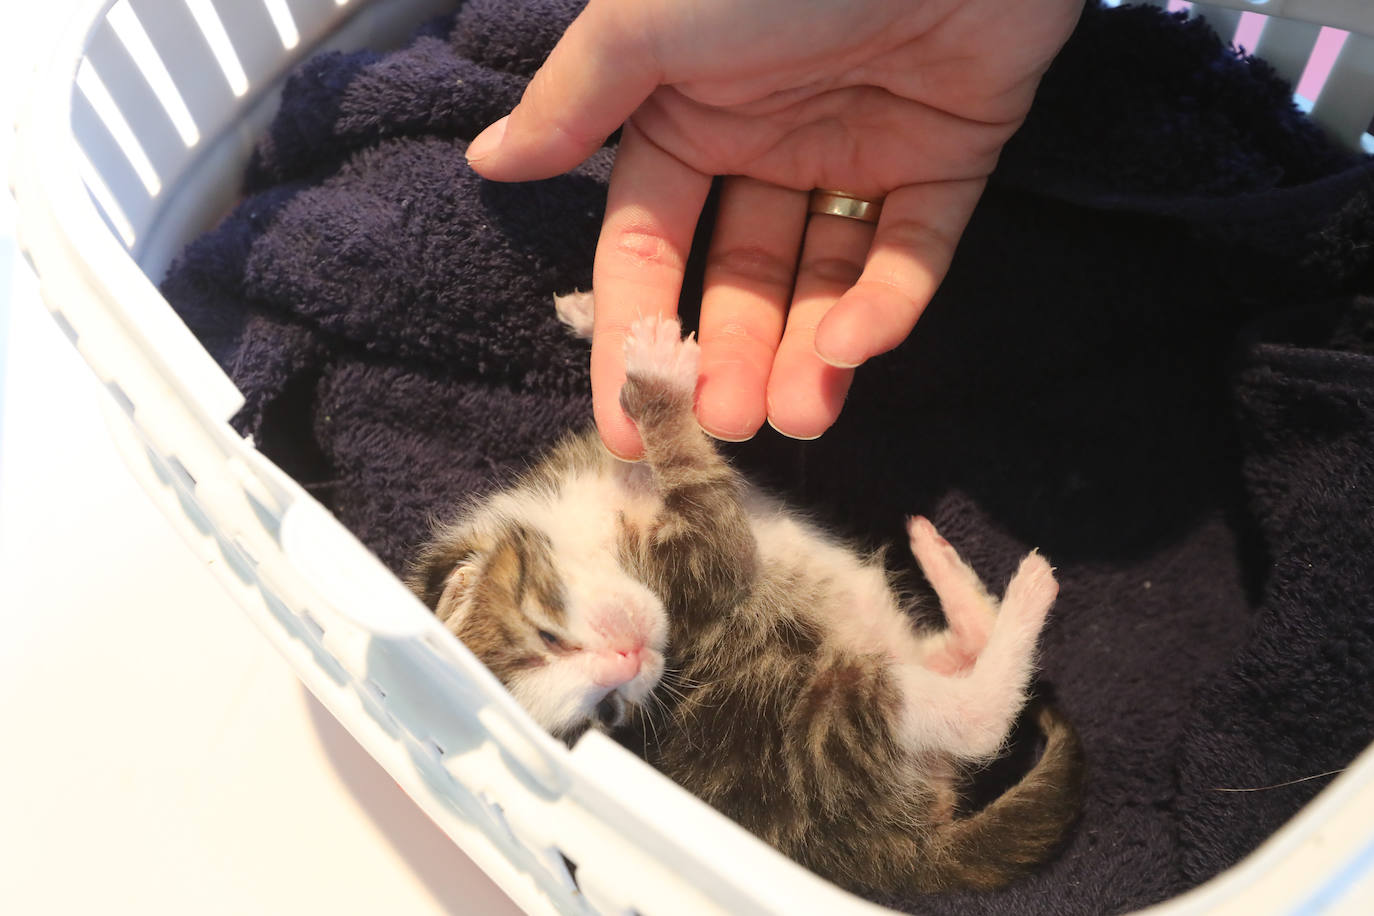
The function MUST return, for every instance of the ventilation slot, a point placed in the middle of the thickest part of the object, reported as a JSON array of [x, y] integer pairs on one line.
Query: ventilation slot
[[1249, 32], [1320, 63], [112, 213], [213, 30], [284, 22], [93, 88], [135, 39]]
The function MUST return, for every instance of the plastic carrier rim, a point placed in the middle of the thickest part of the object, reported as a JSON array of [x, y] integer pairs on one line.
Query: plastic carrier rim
[[520, 804]]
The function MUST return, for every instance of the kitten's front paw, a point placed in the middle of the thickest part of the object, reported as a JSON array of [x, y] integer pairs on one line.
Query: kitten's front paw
[[660, 366], [656, 351]]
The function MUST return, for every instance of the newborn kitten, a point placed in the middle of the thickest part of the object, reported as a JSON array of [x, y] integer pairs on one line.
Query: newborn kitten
[[776, 669]]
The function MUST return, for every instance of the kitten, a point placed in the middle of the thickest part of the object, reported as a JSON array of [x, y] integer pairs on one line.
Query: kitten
[[776, 669]]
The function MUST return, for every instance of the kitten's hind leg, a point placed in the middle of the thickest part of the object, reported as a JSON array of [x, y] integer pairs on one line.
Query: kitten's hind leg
[[969, 610], [970, 710]]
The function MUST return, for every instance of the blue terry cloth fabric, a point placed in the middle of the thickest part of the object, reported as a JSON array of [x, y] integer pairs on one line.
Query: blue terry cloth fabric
[[1150, 359]]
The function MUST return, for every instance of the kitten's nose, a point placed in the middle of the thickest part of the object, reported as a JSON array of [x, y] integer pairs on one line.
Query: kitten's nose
[[613, 667]]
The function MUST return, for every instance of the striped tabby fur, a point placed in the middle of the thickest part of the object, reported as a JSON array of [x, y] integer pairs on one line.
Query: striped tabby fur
[[775, 669]]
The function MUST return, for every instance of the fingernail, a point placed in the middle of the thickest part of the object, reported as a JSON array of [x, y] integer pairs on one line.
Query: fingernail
[[725, 437], [839, 362], [486, 143], [790, 436], [628, 459]]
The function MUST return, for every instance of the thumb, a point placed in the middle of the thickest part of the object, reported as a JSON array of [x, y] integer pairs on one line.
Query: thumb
[[595, 77]]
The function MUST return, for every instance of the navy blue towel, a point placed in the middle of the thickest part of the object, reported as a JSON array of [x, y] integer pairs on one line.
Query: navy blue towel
[[1152, 359]]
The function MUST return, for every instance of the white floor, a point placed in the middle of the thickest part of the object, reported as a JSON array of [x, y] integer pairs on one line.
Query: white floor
[[158, 758]]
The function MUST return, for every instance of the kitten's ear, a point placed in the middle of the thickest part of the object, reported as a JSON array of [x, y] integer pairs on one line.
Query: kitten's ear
[[457, 585], [431, 575]]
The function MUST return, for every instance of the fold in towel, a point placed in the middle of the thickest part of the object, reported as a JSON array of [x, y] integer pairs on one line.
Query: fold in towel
[[1151, 359]]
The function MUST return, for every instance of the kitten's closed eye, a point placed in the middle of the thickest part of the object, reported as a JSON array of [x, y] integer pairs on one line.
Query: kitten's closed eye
[[552, 641]]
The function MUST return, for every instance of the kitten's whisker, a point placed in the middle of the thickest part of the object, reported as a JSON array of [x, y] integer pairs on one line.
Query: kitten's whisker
[[673, 691], [652, 717]]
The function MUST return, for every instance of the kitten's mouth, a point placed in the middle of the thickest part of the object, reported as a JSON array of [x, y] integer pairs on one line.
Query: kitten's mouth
[[609, 710]]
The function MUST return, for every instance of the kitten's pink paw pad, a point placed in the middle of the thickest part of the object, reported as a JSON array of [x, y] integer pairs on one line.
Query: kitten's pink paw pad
[[923, 535], [655, 350], [1032, 590], [969, 610], [576, 310], [935, 555]]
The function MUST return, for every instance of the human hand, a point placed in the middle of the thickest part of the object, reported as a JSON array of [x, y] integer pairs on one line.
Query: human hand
[[911, 99]]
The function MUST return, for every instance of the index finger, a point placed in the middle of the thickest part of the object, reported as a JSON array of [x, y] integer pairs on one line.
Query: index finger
[[596, 76], [652, 208]]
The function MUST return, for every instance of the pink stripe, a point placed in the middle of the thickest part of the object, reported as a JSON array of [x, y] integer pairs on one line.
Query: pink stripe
[[1248, 32], [1329, 43]]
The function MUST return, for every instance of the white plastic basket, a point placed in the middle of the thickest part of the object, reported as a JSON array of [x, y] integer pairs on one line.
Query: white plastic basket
[[133, 142]]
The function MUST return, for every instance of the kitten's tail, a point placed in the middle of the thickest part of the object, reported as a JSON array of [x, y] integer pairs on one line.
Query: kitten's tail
[[1023, 827]]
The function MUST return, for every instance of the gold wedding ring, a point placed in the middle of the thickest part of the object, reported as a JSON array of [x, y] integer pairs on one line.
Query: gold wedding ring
[[842, 203]]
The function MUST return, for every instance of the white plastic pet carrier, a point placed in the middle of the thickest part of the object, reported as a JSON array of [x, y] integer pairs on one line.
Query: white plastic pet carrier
[[133, 142]]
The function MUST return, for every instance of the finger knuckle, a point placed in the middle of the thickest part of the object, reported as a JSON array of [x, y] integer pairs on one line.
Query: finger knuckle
[[742, 339], [754, 264], [831, 271], [916, 236]]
